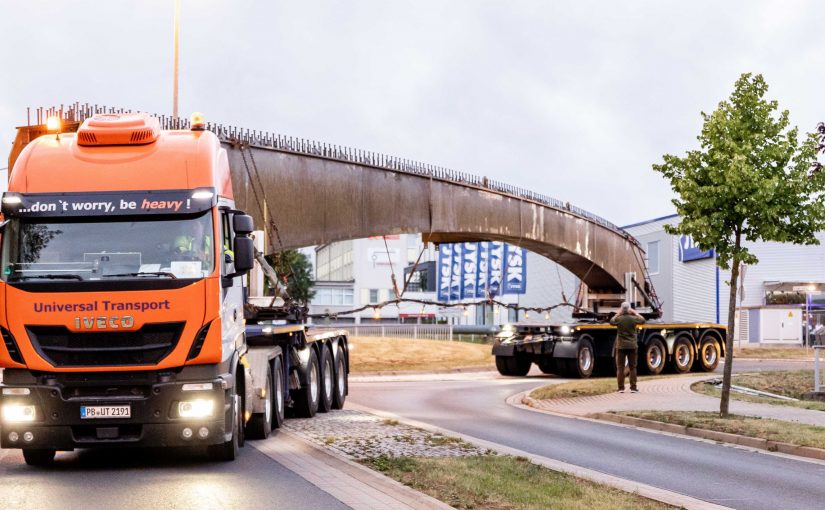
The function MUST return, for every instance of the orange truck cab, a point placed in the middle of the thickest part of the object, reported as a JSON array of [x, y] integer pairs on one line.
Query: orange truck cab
[[123, 290]]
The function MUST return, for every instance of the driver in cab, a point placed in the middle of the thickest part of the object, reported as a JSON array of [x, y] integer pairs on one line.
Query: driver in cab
[[192, 244]]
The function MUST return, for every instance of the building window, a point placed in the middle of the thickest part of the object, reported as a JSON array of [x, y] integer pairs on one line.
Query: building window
[[653, 257], [373, 296], [333, 296]]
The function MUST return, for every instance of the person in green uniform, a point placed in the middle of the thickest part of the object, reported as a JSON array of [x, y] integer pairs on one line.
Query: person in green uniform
[[192, 243], [626, 344]]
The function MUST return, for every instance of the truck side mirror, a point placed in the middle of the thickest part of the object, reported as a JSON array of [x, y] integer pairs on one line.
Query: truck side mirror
[[242, 224], [244, 254]]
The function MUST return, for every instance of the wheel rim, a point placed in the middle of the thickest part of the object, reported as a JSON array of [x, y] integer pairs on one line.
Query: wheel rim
[[328, 379], [654, 357], [585, 359], [268, 409], [340, 378], [313, 382], [279, 396], [682, 355], [710, 354]]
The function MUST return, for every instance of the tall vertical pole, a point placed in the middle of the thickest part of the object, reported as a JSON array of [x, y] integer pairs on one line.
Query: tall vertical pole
[[175, 78]]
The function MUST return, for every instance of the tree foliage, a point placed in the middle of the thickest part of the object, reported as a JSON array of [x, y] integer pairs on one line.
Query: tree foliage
[[298, 270], [752, 178]]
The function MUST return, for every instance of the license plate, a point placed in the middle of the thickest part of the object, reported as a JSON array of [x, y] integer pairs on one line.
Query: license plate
[[90, 412]]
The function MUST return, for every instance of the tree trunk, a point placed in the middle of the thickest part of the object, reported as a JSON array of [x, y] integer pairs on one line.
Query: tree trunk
[[734, 286]]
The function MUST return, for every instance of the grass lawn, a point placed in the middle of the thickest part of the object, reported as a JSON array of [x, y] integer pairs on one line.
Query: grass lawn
[[372, 354], [504, 482], [773, 352], [788, 383], [585, 387], [774, 430]]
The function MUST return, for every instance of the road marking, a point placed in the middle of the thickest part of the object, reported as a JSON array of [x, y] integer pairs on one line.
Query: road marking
[[648, 491], [515, 401]]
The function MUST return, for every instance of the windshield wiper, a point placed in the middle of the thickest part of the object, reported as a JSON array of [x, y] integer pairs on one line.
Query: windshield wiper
[[59, 276], [144, 273]]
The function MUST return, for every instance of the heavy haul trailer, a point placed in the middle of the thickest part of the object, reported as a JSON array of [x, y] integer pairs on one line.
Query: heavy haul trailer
[[123, 300], [584, 348]]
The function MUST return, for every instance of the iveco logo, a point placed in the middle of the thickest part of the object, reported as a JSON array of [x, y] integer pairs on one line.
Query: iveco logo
[[101, 322]]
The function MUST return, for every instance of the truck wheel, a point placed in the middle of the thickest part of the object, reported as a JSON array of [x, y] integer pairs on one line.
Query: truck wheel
[[327, 383], [38, 457], [653, 357], [513, 365], [585, 359], [708, 357], [306, 399], [341, 380], [547, 365], [278, 393], [228, 451], [260, 425], [682, 356]]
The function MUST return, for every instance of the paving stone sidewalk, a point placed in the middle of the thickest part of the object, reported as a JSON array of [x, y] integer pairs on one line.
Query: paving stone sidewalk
[[673, 394]]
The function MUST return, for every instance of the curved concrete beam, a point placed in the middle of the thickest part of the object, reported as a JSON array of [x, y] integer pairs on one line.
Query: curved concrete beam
[[316, 200]]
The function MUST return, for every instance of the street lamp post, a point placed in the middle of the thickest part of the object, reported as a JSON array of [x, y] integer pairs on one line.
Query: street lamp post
[[175, 70]]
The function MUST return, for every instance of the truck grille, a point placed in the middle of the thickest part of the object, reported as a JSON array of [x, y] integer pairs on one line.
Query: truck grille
[[146, 346]]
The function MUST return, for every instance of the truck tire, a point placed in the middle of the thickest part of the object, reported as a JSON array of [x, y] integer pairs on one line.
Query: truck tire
[[652, 357], [341, 380], [585, 361], [707, 359], [278, 393], [228, 451], [682, 360], [260, 424], [547, 365], [327, 382], [516, 366], [38, 457], [306, 399]]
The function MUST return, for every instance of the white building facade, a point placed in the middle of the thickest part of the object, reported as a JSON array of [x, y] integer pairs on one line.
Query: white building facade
[[357, 273], [778, 302]]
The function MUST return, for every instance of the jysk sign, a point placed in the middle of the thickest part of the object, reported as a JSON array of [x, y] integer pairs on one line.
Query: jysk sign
[[471, 270], [689, 251]]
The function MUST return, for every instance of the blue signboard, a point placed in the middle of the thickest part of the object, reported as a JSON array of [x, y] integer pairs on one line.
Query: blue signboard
[[471, 270], [689, 251]]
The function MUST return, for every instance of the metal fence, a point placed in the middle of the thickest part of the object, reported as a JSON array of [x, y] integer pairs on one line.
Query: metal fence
[[409, 331], [78, 112]]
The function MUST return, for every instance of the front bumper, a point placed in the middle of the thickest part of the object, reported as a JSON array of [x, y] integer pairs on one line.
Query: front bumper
[[153, 399]]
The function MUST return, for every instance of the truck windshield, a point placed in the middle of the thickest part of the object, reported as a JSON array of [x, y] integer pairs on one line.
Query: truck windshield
[[96, 250]]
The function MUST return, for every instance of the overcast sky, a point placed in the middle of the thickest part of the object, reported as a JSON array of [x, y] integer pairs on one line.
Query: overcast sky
[[572, 99]]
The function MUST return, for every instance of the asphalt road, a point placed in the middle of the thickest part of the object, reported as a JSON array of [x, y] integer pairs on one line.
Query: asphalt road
[[717, 473], [156, 480]]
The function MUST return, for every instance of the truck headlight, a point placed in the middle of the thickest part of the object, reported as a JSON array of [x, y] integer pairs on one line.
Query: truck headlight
[[196, 408], [16, 413]]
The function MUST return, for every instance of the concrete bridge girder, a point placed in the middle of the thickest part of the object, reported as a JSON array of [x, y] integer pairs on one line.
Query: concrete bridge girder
[[315, 200]]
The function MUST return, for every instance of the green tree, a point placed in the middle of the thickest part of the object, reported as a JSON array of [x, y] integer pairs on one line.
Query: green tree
[[298, 270], [751, 179]]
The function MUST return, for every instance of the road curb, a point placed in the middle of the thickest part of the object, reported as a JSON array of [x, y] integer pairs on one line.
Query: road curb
[[392, 494], [456, 370], [655, 493], [723, 437]]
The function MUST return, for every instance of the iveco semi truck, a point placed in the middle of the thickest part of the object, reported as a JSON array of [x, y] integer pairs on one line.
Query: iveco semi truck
[[123, 296]]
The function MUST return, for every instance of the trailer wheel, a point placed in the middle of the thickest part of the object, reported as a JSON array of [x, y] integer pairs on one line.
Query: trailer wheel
[[341, 380], [513, 365], [708, 356], [228, 450], [327, 382], [653, 357], [260, 425], [306, 399], [682, 356], [38, 457], [278, 393], [547, 365], [585, 360]]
